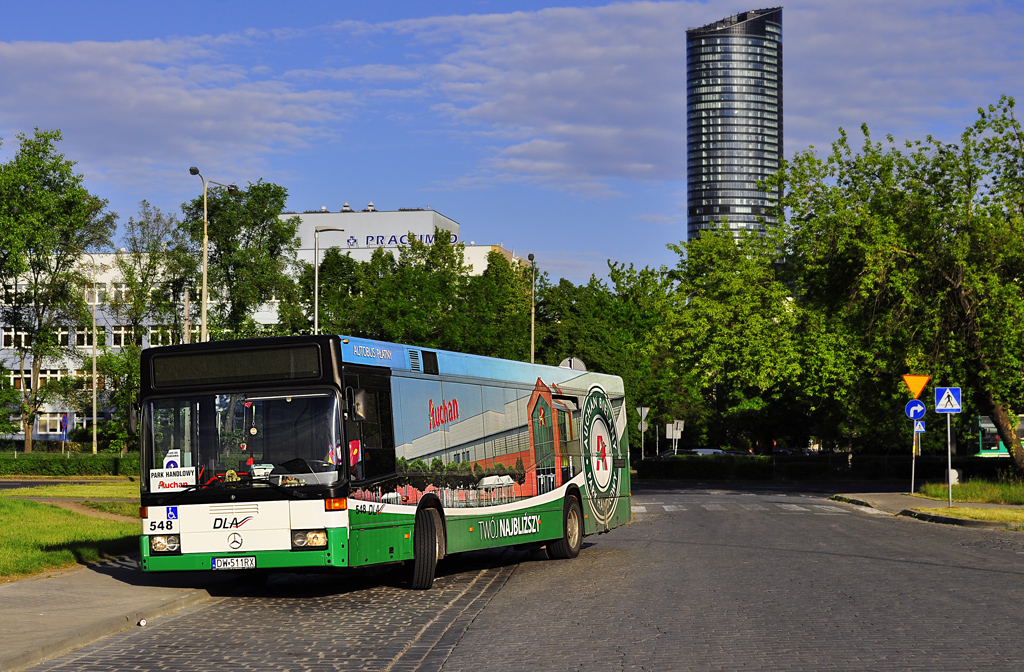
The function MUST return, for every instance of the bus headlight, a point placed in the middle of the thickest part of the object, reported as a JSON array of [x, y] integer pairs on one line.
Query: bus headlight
[[309, 539], [165, 543]]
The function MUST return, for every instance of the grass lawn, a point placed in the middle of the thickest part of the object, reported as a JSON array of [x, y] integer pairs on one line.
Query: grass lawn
[[990, 515], [36, 537], [101, 490], [991, 492], [130, 509]]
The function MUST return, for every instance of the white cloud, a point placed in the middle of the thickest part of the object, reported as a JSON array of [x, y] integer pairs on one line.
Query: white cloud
[[126, 108], [577, 99]]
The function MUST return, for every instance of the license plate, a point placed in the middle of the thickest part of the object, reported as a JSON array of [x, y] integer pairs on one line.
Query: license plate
[[248, 562]]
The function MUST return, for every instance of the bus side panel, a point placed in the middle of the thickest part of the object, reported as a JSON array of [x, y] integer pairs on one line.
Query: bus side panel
[[504, 526], [380, 533]]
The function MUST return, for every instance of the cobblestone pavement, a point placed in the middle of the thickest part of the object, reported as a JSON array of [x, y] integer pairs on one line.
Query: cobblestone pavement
[[312, 622], [731, 580], [702, 580]]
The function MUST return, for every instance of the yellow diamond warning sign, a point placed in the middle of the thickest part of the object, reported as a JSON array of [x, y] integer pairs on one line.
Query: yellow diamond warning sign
[[916, 384]]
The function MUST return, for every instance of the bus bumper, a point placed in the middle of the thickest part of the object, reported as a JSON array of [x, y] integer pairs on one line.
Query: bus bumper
[[335, 555]]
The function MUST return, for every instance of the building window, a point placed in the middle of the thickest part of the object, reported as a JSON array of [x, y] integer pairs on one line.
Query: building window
[[20, 380], [49, 423], [16, 339], [86, 377], [83, 337], [95, 293], [122, 335], [160, 335]]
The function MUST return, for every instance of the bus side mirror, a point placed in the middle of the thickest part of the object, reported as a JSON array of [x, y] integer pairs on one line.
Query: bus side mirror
[[360, 404], [133, 419]]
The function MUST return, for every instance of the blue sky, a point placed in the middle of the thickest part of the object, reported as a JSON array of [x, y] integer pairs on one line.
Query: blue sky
[[556, 128]]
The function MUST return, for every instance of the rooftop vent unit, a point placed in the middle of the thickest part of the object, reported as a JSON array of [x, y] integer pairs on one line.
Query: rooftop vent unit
[[346, 208], [370, 208], [323, 208]]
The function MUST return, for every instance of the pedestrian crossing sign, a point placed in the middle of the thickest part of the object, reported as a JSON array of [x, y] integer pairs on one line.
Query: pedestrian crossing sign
[[947, 400], [919, 427]]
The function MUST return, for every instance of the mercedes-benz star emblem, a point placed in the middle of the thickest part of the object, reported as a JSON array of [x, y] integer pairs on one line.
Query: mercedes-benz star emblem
[[235, 540]]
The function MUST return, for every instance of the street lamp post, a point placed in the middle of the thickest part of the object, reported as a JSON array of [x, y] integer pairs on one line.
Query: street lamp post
[[95, 300], [533, 301], [316, 274], [232, 189]]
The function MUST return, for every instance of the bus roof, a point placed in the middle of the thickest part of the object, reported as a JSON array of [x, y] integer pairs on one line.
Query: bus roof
[[399, 357]]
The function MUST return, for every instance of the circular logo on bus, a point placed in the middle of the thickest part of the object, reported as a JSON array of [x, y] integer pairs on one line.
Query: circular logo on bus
[[602, 445]]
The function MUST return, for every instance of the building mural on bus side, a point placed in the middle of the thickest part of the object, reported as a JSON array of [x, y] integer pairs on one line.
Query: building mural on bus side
[[480, 444]]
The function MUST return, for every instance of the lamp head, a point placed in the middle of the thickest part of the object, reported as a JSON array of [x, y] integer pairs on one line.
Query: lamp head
[[233, 189], [193, 170], [530, 256]]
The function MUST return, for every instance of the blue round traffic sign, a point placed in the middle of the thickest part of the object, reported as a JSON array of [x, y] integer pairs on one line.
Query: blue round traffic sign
[[915, 409]]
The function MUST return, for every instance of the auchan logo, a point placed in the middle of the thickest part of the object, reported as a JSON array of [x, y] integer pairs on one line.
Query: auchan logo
[[443, 414]]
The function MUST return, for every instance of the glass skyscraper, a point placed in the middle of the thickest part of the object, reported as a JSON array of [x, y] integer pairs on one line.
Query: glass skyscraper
[[733, 120]]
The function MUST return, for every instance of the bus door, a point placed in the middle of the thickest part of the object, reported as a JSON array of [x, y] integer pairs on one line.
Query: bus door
[[371, 441]]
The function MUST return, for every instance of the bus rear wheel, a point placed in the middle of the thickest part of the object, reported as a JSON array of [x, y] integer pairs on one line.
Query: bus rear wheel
[[572, 535], [427, 548]]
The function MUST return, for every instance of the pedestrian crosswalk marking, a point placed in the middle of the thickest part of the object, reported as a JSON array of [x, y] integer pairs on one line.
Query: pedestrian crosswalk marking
[[818, 509]]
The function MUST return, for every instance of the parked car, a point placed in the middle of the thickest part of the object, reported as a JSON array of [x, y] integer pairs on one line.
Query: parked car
[[709, 451]]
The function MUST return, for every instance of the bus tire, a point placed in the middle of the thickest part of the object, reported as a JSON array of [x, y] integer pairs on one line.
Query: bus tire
[[572, 532], [426, 543]]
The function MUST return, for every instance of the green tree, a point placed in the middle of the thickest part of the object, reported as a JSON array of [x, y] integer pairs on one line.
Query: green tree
[[498, 307], [911, 259], [418, 297], [340, 283], [156, 263], [46, 208], [251, 249], [732, 332], [10, 402]]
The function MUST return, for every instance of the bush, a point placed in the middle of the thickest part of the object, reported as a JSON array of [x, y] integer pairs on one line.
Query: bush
[[757, 468], [707, 468], [87, 464]]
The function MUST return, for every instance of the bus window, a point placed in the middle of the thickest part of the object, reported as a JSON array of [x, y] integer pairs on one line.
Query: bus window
[[371, 442]]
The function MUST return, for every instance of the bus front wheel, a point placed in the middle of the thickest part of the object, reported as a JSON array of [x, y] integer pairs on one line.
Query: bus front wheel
[[427, 548], [572, 532]]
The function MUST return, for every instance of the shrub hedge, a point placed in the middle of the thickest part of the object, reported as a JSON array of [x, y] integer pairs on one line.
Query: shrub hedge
[[707, 468], [50, 464]]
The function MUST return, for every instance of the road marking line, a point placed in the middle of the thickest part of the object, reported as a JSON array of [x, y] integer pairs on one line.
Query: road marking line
[[753, 507], [639, 509], [791, 507], [831, 509], [712, 507], [674, 507], [867, 509]]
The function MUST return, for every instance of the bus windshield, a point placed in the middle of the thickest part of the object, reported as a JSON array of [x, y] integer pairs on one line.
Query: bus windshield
[[287, 438]]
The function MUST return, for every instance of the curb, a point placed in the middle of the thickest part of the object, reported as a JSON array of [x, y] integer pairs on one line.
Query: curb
[[962, 522], [851, 500], [98, 630]]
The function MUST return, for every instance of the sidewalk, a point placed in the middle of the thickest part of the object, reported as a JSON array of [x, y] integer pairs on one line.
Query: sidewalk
[[901, 504], [51, 614]]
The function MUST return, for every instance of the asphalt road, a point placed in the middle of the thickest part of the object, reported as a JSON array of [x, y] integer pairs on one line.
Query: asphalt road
[[701, 580]]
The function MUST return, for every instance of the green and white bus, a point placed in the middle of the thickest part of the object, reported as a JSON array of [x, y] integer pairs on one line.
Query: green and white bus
[[336, 452]]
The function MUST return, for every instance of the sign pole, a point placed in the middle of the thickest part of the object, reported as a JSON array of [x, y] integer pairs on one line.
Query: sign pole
[[913, 454], [949, 457]]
